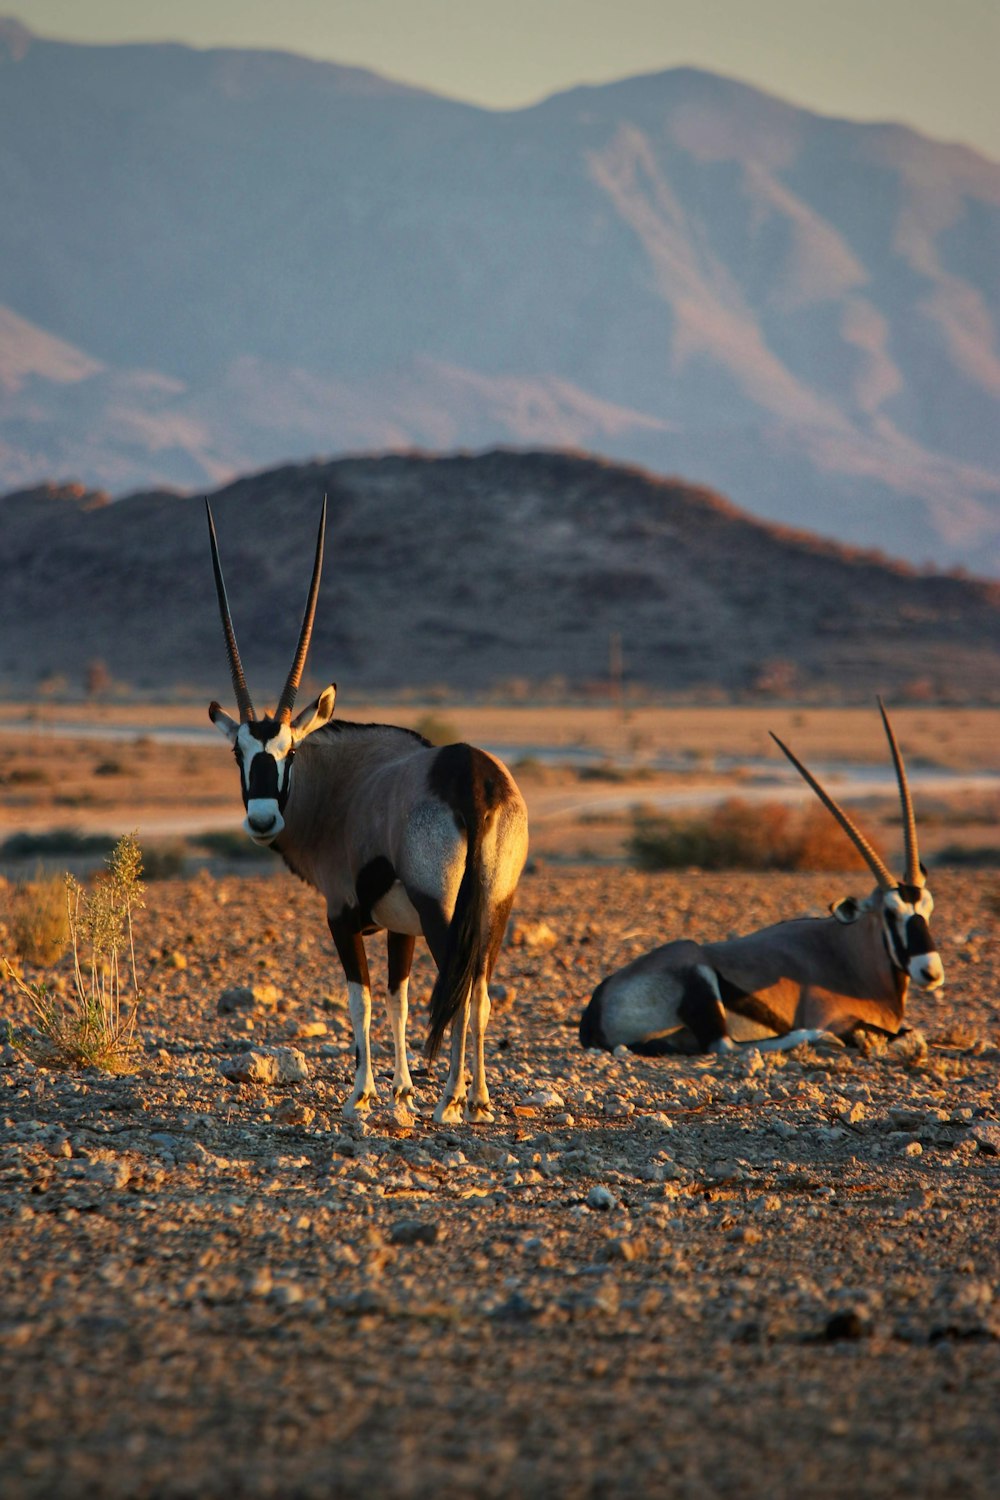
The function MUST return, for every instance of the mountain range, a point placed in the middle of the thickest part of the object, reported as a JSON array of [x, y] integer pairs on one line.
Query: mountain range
[[217, 261], [497, 574]]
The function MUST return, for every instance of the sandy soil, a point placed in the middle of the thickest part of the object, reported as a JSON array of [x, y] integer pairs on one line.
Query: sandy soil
[[743, 1277]]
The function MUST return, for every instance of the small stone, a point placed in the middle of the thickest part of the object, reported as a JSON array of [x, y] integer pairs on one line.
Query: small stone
[[851, 1323], [293, 1112], [913, 1148], [413, 1232], [243, 997], [266, 1065], [986, 1134], [745, 1234], [601, 1198], [545, 1099], [531, 935], [626, 1247]]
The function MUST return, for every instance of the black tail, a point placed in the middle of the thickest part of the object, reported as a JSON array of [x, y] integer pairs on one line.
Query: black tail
[[459, 781]]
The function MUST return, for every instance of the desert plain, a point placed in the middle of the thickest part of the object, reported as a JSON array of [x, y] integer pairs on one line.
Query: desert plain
[[758, 1275]]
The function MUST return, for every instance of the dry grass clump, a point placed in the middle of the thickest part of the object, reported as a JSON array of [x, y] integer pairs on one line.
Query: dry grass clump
[[436, 729], [38, 925], [92, 1024], [739, 835]]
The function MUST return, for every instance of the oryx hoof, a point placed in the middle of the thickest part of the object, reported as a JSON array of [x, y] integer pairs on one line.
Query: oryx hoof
[[479, 1114], [357, 1108], [402, 1097], [450, 1112]]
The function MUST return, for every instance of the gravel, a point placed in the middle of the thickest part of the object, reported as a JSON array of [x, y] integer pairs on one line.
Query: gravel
[[758, 1275]]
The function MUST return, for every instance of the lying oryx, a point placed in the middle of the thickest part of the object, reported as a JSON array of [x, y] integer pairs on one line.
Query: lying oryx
[[789, 983], [395, 834]]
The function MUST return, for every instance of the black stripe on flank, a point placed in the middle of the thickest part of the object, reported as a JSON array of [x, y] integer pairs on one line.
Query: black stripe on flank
[[373, 881], [751, 1007]]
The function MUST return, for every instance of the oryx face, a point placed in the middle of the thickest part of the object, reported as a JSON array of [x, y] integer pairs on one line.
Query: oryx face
[[905, 905], [264, 751], [906, 913], [265, 747]]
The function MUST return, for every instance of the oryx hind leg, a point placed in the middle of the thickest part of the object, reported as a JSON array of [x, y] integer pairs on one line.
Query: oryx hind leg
[[400, 947], [450, 1108], [702, 1011], [351, 951], [478, 1111]]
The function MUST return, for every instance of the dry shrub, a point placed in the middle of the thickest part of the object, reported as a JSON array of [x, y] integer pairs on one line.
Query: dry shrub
[[39, 929], [738, 835], [436, 729], [93, 1024]]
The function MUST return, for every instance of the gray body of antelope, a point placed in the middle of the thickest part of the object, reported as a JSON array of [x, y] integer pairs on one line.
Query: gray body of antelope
[[796, 981], [396, 835]]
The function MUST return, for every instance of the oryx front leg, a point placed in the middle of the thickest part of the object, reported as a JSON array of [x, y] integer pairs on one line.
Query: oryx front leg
[[478, 1110], [450, 1108], [400, 946], [791, 1039], [351, 950]]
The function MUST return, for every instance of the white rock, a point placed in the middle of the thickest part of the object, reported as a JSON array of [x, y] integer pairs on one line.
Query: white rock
[[266, 1065], [545, 1099]]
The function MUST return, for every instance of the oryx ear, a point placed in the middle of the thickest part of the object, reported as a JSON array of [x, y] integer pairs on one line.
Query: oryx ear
[[223, 722], [847, 910], [316, 715]]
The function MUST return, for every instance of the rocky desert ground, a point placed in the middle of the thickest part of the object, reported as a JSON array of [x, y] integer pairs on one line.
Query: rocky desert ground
[[761, 1275], [757, 1275]]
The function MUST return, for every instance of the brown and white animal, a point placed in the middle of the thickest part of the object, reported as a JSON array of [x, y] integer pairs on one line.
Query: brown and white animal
[[786, 984], [395, 834]]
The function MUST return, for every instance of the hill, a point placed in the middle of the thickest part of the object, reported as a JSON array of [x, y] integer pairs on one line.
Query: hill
[[477, 573], [212, 262]]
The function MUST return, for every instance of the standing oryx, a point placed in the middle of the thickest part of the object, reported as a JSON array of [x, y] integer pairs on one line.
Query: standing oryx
[[789, 983], [395, 834]]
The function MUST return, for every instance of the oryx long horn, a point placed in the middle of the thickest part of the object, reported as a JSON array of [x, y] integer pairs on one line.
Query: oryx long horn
[[235, 665], [284, 710], [874, 863], [914, 874]]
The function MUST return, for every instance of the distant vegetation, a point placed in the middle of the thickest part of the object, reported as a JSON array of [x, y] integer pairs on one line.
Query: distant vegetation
[[738, 835], [61, 842]]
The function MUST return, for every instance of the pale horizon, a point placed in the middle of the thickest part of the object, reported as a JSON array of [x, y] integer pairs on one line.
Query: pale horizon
[[927, 64]]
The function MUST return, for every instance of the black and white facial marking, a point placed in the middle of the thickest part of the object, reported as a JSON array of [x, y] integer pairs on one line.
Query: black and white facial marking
[[264, 750], [906, 912]]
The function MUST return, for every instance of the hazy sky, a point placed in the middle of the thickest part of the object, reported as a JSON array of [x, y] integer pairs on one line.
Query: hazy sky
[[934, 64]]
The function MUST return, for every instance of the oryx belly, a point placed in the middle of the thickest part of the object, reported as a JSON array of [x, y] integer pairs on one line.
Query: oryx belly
[[396, 912]]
